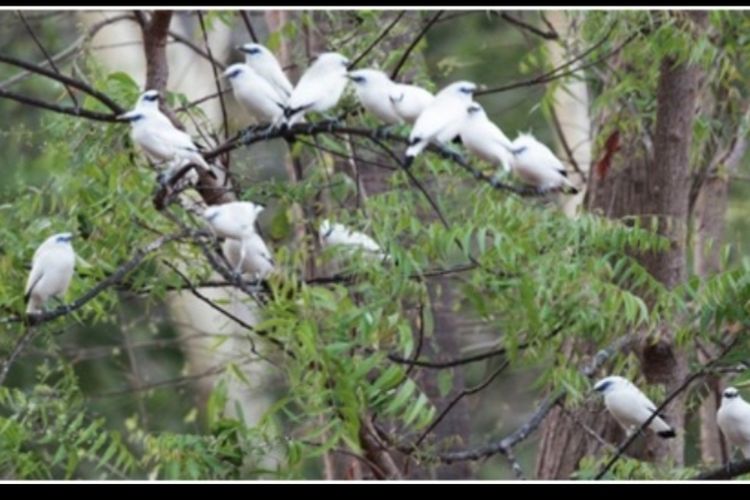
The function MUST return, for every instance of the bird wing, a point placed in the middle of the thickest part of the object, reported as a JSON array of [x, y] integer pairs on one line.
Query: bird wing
[[435, 117], [34, 277], [280, 80]]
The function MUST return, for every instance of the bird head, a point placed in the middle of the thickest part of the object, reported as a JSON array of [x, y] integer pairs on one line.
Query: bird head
[[149, 99], [332, 60], [463, 89], [363, 77], [608, 383], [234, 71], [62, 238], [211, 212], [475, 110], [730, 393], [253, 50]]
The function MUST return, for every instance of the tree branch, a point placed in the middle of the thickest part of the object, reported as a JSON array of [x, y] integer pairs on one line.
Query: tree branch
[[547, 35], [414, 43], [728, 471], [377, 40]]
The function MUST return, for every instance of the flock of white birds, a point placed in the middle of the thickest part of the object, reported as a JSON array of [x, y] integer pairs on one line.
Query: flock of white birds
[[263, 88]]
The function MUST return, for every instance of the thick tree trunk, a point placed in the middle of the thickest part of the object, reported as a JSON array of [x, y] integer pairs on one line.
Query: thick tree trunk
[[645, 185]]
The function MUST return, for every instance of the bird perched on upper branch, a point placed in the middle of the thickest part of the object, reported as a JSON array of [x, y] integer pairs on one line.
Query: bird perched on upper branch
[[260, 59], [320, 87], [442, 120], [160, 139]]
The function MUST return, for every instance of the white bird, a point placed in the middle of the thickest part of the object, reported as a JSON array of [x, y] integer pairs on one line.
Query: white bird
[[234, 220], [159, 138], [442, 120], [250, 255], [51, 271], [320, 87], [374, 90], [409, 101], [251, 90], [535, 164], [338, 234], [485, 139], [267, 66], [630, 407], [733, 418]]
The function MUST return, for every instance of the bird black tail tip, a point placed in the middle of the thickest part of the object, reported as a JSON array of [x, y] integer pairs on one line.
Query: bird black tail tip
[[667, 434]]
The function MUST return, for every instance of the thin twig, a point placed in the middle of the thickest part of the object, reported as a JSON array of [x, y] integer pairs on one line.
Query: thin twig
[[377, 40], [414, 43]]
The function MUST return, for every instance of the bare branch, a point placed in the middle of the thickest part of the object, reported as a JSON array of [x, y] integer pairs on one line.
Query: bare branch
[[216, 77], [50, 61], [377, 40], [103, 98], [414, 43], [249, 26], [728, 471], [547, 35]]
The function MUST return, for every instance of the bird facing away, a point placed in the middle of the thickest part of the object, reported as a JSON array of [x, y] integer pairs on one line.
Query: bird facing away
[[409, 101], [339, 234], [51, 271], [257, 96], [485, 139], [159, 138], [536, 165], [249, 256], [267, 66], [733, 418], [320, 87], [630, 407], [234, 220], [442, 120], [374, 89]]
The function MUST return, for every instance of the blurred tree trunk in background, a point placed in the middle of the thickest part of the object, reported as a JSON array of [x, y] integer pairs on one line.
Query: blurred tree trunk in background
[[647, 183], [710, 223], [571, 108]]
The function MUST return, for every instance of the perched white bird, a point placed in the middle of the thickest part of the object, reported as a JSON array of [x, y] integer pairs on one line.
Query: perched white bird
[[442, 120], [535, 164], [409, 101], [374, 90], [338, 234], [320, 87], [250, 255], [251, 90], [733, 418], [51, 271], [267, 66], [235, 219], [159, 139], [630, 407], [485, 139]]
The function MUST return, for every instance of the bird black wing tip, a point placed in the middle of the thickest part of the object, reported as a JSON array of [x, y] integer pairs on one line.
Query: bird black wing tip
[[667, 434]]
